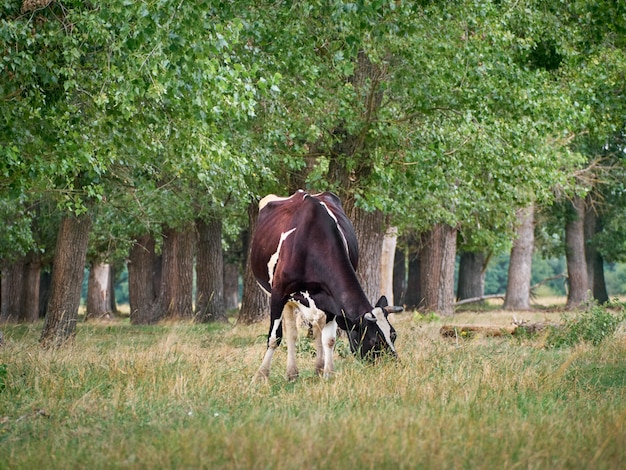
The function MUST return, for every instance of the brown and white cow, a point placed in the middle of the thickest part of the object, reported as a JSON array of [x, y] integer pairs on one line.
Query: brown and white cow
[[304, 254]]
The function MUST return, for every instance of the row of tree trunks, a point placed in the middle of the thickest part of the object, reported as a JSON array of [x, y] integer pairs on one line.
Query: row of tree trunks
[[161, 286]]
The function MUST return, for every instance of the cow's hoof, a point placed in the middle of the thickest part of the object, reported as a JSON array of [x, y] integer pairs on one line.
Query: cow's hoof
[[261, 377], [292, 375]]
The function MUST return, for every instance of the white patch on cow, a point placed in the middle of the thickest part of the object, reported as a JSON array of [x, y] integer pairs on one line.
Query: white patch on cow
[[311, 313], [272, 344], [384, 326], [273, 334], [271, 264], [343, 237]]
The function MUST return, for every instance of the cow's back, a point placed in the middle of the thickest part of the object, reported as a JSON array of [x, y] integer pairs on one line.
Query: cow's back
[[278, 216]]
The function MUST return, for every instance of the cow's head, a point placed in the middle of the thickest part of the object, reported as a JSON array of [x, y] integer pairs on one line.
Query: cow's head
[[373, 335]]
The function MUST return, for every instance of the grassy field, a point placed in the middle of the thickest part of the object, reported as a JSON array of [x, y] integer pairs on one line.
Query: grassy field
[[180, 396]]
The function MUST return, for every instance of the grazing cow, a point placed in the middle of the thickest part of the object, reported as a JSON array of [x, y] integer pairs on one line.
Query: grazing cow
[[304, 254]]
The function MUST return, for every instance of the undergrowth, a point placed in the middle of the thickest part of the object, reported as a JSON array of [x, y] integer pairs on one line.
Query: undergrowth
[[593, 325]]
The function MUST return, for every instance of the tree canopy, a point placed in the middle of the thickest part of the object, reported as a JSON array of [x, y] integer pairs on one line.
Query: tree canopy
[[431, 112]]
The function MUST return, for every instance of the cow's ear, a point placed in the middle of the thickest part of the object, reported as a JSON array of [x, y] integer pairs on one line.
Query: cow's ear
[[382, 302]]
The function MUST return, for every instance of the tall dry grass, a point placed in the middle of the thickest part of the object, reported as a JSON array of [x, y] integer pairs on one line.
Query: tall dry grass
[[180, 396]]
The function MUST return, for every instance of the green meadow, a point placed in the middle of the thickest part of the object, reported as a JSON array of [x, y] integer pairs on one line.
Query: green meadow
[[180, 395]]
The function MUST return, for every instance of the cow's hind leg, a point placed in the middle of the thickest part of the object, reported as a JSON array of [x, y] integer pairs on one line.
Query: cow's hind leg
[[329, 337], [291, 332], [319, 349], [273, 341]]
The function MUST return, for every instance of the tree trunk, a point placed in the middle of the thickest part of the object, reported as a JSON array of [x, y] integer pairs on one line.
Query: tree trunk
[[370, 231], [143, 280], [12, 294], [575, 254], [255, 305], [413, 297], [30, 290], [387, 264], [231, 286], [45, 279], [399, 276], [518, 284], [99, 290], [113, 303], [175, 300], [210, 304], [437, 269], [67, 277], [471, 283], [593, 258]]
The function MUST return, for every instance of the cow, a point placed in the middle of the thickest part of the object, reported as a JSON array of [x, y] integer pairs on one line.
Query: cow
[[304, 254]]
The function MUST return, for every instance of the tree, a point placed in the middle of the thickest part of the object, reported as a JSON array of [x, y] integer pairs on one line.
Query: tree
[[471, 282], [99, 291], [210, 302], [437, 269], [67, 277], [518, 285], [80, 82], [144, 280]]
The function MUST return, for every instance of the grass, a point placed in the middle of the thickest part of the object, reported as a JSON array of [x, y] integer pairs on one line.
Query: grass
[[180, 396]]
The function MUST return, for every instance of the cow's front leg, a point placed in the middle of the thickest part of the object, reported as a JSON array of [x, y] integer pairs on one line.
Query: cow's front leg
[[291, 333], [329, 338], [273, 341]]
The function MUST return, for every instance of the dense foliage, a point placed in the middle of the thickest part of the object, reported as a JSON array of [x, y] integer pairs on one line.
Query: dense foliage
[[154, 114]]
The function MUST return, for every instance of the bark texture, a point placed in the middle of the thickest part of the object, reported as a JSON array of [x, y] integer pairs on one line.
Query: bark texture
[[99, 289], [19, 297], [210, 272], [437, 269], [593, 258], [518, 286], [67, 278], [175, 300], [471, 283], [143, 280], [413, 297], [231, 286], [370, 231], [575, 254]]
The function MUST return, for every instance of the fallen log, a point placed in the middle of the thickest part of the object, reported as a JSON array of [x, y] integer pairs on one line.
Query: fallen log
[[468, 331], [454, 331], [478, 299]]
